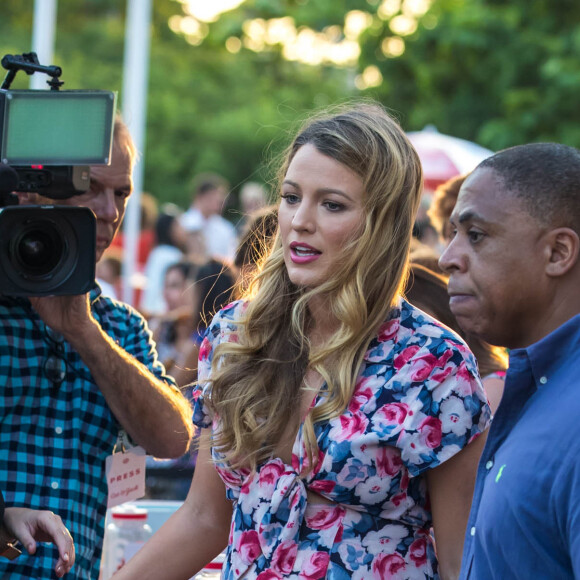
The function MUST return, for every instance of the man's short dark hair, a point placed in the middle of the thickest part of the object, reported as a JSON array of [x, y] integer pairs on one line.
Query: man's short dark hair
[[206, 182], [546, 177]]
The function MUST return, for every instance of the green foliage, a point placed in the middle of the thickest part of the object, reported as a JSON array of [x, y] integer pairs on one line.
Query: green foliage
[[208, 110], [494, 72], [499, 73]]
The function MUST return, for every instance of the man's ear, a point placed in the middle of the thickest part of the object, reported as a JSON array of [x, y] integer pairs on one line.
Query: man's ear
[[563, 248]]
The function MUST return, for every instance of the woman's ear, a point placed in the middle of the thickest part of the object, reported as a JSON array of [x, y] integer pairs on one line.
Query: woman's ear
[[563, 249]]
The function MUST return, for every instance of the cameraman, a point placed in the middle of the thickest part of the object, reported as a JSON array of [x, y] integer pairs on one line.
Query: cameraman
[[76, 370]]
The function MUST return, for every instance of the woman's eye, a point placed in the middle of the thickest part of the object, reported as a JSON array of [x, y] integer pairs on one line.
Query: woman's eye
[[290, 198], [333, 206]]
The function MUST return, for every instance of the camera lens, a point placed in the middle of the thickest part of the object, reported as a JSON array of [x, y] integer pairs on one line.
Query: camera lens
[[39, 249]]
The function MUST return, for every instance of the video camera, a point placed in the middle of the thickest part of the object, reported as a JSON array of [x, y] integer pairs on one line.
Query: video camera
[[48, 140]]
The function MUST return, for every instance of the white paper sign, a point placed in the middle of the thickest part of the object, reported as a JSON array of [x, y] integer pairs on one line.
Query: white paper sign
[[126, 476]]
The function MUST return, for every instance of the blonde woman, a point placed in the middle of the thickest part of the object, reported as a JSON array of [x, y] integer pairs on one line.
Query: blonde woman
[[337, 430]]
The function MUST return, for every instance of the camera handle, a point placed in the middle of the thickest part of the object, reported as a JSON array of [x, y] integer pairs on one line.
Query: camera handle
[[28, 62], [8, 184]]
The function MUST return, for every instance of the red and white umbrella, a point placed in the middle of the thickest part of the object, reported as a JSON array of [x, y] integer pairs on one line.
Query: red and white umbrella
[[443, 156]]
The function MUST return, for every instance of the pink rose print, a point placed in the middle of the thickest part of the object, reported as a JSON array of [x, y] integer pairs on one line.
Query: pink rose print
[[466, 384], [316, 460], [315, 567], [352, 424], [430, 429], [405, 480], [248, 546], [440, 376], [418, 552], [389, 461], [387, 566], [444, 358], [392, 413], [362, 395], [388, 330], [422, 367], [322, 486], [204, 349], [324, 518], [230, 478], [268, 575], [402, 359], [270, 473], [284, 557]]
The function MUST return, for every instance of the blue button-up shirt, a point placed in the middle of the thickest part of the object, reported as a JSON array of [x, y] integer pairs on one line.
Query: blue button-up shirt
[[525, 517], [55, 436]]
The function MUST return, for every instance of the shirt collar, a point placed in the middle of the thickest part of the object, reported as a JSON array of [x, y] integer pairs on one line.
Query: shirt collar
[[549, 353]]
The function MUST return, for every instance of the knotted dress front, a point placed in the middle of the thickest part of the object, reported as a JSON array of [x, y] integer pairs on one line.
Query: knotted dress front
[[418, 401]]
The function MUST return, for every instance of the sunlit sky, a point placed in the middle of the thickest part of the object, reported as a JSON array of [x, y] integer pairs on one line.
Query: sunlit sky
[[337, 45]]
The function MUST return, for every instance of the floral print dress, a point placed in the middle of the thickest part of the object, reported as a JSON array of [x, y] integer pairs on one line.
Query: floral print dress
[[418, 401]]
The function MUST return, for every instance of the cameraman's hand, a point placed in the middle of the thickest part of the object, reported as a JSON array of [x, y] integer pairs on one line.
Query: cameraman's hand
[[67, 315], [31, 526]]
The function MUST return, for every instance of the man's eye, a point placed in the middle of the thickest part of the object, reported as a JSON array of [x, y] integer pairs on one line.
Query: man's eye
[[474, 236]]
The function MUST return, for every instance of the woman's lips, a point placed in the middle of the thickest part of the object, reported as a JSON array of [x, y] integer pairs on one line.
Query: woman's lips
[[303, 253]]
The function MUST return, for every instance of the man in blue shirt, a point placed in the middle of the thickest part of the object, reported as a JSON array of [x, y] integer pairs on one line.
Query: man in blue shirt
[[514, 281], [74, 370]]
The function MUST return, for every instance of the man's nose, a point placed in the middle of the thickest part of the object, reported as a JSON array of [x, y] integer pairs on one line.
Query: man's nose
[[106, 208], [450, 258]]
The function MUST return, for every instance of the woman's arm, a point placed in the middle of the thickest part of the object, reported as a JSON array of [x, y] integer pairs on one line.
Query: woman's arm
[[450, 487], [195, 534]]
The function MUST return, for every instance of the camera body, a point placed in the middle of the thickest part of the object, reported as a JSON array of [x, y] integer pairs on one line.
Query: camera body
[[48, 140], [46, 250]]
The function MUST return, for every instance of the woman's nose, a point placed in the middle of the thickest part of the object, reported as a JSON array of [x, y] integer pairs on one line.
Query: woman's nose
[[303, 217]]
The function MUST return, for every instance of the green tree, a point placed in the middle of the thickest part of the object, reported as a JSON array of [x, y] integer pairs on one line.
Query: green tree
[[499, 73]]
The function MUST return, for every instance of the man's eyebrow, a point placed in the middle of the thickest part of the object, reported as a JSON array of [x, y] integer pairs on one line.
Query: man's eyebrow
[[467, 216]]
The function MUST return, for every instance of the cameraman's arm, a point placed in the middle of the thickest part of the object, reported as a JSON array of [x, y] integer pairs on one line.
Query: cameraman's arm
[[156, 415]]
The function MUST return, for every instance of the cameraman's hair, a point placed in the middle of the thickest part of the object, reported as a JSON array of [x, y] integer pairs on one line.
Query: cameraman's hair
[[545, 176], [122, 139]]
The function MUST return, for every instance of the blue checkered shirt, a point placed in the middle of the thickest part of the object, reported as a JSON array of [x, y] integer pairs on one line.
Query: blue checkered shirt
[[54, 438]]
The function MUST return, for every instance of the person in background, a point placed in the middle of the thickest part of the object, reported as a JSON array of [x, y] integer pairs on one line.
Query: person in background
[[205, 214], [428, 291], [170, 247], [207, 292], [514, 279], [338, 422], [108, 273], [77, 370], [254, 245], [213, 288], [173, 330], [442, 205], [253, 197], [145, 243], [29, 526]]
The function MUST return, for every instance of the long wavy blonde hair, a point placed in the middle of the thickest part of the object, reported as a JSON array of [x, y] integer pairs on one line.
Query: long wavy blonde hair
[[257, 382]]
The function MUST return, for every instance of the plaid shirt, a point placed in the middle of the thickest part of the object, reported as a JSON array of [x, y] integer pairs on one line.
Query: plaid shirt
[[54, 438]]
